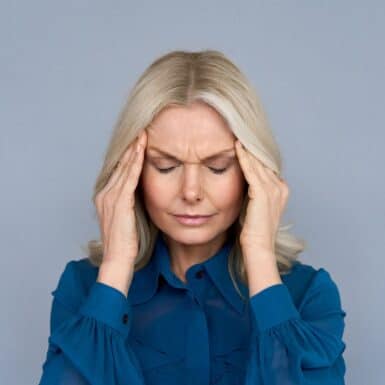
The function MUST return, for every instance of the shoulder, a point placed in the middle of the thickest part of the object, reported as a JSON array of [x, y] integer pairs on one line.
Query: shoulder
[[304, 280], [317, 276], [75, 282]]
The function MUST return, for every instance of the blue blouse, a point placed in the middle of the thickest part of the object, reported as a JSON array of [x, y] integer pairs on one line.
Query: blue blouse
[[196, 333]]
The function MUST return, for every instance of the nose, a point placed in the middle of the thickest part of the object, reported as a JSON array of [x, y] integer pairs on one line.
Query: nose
[[192, 184]]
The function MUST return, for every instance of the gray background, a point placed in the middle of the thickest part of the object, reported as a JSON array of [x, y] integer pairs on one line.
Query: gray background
[[65, 70]]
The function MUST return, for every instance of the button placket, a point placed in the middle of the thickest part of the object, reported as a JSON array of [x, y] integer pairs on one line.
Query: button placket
[[196, 287]]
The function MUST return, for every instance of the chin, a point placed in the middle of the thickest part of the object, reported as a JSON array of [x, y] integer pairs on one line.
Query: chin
[[190, 238]]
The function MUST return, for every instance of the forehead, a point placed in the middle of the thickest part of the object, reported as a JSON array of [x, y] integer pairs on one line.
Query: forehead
[[189, 126]]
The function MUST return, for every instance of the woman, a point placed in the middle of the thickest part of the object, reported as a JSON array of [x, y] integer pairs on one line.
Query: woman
[[194, 280]]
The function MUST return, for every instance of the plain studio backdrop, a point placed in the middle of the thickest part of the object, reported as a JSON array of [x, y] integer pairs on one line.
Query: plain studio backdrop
[[65, 71]]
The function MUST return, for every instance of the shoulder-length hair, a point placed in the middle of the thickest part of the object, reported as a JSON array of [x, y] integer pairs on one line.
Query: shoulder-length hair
[[182, 77]]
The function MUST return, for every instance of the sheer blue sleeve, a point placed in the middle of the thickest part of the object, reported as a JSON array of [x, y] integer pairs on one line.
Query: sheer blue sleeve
[[297, 346], [87, 343]]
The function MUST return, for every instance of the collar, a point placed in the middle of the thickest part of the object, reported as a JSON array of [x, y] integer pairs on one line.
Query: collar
[[145, 282]]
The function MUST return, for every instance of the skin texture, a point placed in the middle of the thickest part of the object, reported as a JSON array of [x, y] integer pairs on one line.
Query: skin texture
[[191, 134]]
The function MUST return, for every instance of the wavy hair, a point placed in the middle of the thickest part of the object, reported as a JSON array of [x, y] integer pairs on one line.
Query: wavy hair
[[182, 77]]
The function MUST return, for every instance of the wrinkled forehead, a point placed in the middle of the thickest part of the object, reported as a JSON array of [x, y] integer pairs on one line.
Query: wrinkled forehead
[[190, 146], [196, 131]]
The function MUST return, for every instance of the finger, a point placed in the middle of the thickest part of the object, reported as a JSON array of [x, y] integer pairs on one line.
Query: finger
[[134, 168], [269, 174], [117, 172], [275, 178], [241, 159], [113, 185], [124, 172], [117, 175], [265, 172], [127, 158], [244, 162], [250, 164], [130, 150], [142, 138], [126, 155], [280, 186]]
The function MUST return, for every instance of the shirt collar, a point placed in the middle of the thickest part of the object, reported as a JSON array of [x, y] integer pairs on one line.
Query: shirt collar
[[145, 281]]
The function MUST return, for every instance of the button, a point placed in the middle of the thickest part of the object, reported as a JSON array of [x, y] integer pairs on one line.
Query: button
[[199, 274], [161, 281], [125, 318]]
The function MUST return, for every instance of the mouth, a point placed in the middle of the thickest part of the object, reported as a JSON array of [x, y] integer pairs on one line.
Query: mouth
[[192, 216], [192, 219]]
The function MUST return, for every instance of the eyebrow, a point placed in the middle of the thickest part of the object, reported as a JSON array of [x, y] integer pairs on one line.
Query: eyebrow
[[214, 156]]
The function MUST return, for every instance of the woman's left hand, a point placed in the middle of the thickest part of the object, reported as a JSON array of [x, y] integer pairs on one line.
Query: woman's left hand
[[268, 196]]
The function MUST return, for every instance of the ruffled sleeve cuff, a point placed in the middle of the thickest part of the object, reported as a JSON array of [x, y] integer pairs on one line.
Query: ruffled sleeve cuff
[[110, 306]]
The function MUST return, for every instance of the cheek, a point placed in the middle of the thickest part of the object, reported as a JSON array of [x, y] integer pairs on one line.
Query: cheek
[[230, 195], [156, 193]]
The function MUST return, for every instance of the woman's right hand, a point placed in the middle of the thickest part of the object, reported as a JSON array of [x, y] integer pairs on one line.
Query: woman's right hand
[[115, 207]]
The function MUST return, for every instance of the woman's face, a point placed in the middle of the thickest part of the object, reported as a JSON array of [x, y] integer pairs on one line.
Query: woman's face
[[201, 175]]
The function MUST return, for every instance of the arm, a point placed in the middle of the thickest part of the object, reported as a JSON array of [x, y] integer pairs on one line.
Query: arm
[[56, 368], [300, 347], [87, 344]]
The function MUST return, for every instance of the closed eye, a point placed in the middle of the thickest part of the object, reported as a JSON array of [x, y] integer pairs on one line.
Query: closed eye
[[214, 170]]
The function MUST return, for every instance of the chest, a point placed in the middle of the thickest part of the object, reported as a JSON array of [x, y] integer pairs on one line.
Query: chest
[[190, 335]]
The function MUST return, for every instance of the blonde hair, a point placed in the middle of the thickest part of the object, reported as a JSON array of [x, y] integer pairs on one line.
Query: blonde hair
[[182, 77]]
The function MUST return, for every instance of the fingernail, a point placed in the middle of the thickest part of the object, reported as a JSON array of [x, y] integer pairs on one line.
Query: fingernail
[[138, 147]]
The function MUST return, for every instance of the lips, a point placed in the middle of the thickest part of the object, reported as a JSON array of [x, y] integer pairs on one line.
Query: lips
[[192, 216], [193, 220]]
